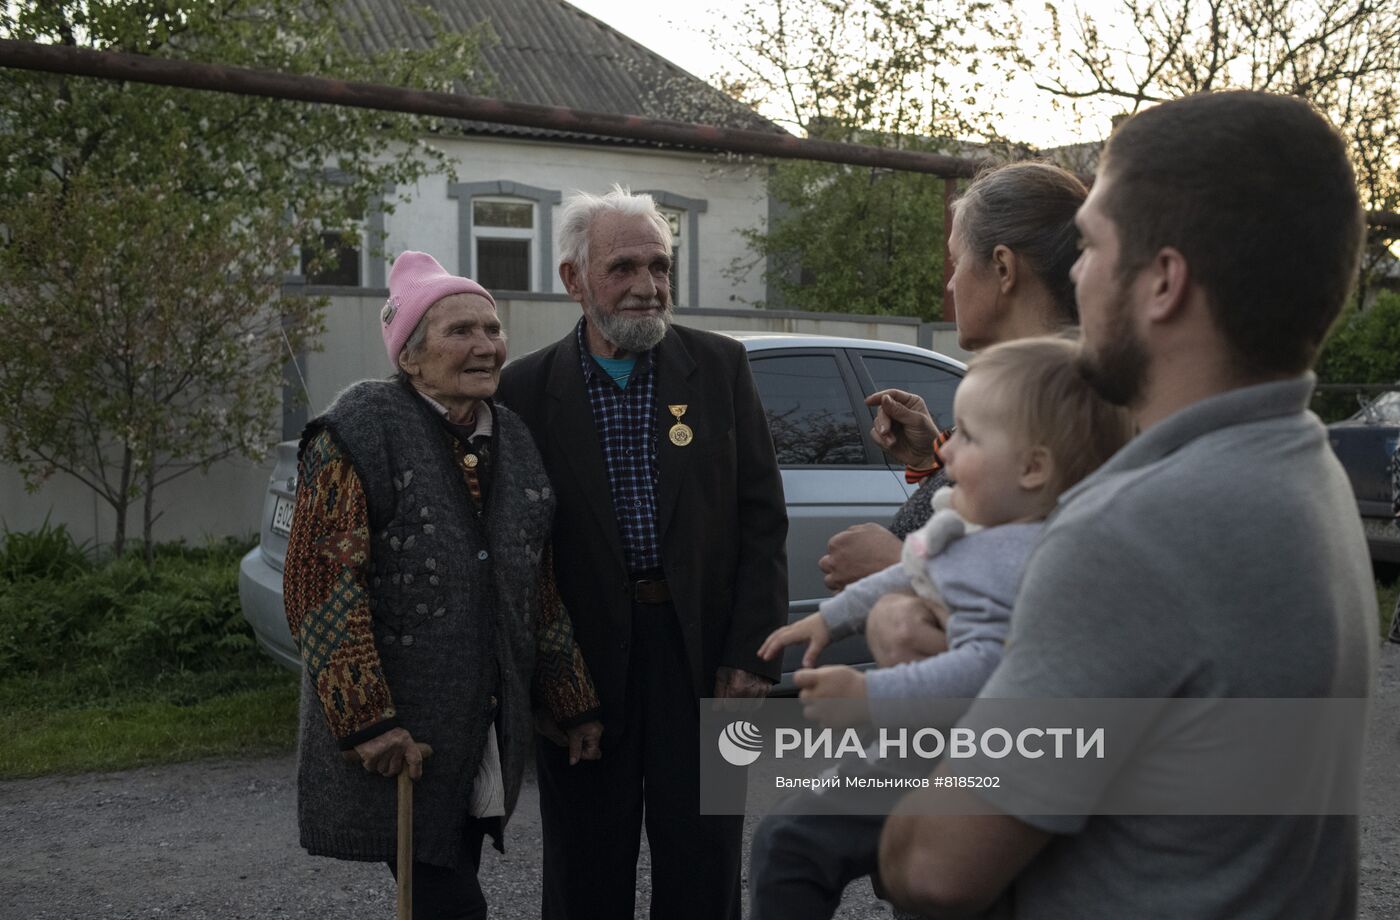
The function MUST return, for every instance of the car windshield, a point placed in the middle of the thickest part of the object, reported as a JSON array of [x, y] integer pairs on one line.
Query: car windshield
[[1385, 408]]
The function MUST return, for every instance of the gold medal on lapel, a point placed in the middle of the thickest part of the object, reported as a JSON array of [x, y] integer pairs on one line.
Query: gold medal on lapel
[[681, 435]]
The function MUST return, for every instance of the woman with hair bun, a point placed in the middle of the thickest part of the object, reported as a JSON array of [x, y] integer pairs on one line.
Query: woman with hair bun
[[1012, 243]]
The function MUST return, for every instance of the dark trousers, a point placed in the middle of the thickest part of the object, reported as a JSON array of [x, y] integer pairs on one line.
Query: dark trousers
[[800, 864], [440, 893], [815, 843], [592, 812]]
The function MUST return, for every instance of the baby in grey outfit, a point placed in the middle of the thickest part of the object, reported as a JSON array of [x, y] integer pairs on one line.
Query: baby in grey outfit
[[970, 571]]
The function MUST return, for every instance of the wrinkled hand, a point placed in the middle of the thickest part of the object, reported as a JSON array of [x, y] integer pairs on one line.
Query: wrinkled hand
[[833, 696], [902, 627], [391, 753], [857, 552], [545, 725], [811, 629], [903, 427], [585, 742], [736, 683]]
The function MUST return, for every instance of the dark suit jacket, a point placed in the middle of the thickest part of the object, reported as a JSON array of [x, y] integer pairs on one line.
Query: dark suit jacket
[[722, 518]]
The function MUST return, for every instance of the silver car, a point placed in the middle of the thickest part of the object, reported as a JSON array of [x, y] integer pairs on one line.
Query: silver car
[[813, 390], [1365, 444]]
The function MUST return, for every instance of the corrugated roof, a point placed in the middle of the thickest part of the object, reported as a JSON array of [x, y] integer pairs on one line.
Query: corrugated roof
[[549, 52]]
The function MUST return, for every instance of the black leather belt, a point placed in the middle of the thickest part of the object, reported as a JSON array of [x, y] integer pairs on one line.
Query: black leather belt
[[651, 591]]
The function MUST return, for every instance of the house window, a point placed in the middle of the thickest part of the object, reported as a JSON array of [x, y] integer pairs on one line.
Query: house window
[[676, 220], [683, 214], [503, 240], [339, 264]]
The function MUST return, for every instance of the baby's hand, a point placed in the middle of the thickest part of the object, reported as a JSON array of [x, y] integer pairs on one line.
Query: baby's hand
[[904, 628], [833, 696], [811, 629]]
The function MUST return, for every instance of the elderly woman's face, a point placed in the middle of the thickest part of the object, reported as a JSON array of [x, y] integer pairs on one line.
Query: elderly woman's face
[[460, 361]]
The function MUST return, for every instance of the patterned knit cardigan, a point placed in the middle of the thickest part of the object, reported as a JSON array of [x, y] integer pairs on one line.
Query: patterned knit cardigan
[[454, 598]]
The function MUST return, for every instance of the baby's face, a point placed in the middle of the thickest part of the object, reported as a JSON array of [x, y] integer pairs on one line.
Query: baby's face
[[986, 461]]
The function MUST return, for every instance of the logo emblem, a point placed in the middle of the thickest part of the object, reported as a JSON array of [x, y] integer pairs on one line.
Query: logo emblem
[[391, 307], [740, 743]]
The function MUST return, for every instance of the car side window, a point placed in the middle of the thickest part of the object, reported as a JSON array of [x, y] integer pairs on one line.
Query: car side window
[[809, 410], [935, 384]]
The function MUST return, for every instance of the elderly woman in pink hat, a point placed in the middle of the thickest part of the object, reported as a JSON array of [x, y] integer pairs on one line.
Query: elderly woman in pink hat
[[419, 587]]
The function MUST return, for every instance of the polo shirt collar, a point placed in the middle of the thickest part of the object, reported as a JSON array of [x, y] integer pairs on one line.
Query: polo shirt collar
[[1224, 410]]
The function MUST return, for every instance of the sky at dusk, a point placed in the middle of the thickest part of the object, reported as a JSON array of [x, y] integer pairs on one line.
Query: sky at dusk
[[676, 32]]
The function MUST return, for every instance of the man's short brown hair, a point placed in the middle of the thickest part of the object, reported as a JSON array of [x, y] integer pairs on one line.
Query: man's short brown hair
[[1257, 192]]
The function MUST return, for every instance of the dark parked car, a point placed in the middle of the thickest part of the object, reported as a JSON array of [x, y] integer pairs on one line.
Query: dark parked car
[[813, 390], [1365, 443]]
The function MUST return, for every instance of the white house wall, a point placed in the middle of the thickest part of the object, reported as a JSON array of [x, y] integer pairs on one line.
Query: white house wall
[[733, 196]]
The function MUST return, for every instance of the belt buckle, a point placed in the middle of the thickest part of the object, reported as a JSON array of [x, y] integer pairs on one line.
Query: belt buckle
[[650, 591]]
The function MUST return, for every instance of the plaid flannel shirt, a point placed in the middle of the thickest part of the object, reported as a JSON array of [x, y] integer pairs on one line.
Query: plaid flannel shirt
[[626, 423]]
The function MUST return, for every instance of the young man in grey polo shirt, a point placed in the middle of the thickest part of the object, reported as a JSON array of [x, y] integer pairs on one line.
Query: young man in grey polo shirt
[[1218, 555]]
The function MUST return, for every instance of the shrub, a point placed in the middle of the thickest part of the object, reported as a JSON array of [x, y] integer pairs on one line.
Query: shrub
[[49, 552], [121, 624]]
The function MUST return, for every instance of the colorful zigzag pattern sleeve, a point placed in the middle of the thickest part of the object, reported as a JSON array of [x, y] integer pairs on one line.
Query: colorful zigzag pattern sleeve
[[562, 684], [324, 590]]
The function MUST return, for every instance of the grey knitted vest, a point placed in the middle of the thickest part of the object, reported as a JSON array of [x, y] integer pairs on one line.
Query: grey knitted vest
[[918, 507], [454, 597]]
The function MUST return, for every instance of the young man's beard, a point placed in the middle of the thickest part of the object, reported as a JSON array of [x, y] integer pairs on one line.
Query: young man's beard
[[1117, 367], [628, 332]]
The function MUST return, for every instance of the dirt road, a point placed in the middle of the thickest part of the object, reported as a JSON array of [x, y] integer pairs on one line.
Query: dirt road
[[218, 840]]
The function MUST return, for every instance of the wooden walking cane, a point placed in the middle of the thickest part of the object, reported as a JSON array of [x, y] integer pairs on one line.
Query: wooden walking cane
[[405, 872], [405, 855]]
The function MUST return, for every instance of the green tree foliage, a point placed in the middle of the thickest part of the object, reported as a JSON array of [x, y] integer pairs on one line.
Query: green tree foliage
[[1364, 348], [146, 230], [855, 240], [849, 239]]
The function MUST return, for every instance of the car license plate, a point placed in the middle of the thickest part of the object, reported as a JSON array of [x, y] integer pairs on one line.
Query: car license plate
[[282, 516], [1381, 529]]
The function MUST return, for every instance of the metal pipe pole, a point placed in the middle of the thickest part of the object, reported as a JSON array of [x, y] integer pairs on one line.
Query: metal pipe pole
[[137, 68], [196, 75]]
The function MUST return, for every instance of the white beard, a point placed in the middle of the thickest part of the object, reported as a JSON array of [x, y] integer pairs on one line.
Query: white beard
[[630, 333]]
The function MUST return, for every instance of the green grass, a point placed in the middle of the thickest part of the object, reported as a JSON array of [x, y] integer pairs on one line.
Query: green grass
[[109, 664], [1385, 598], [184, 720]]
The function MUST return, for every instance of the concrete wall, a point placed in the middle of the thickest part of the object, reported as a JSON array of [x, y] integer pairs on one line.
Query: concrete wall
[[228, 500], [353, 349], [225, 502]]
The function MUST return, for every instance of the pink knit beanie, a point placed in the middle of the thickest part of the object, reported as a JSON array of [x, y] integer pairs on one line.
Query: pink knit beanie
[[416, 282]]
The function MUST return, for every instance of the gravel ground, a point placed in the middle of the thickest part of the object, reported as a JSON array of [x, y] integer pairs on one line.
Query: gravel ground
[[218, 840]]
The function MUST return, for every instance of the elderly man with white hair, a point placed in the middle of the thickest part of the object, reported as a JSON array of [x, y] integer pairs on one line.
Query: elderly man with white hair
[[669, 548]]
